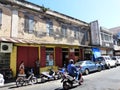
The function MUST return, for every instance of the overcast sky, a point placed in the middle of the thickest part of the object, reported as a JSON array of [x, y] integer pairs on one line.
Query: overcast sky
[[107, 12]]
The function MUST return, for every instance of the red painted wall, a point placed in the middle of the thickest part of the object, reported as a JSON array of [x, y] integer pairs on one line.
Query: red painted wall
[[58, 56], [28, 55], [42, 57]]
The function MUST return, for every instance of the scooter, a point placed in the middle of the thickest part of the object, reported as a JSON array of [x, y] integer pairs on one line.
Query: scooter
[[51, 75], [68, 81], [23, 80], [60, 72]]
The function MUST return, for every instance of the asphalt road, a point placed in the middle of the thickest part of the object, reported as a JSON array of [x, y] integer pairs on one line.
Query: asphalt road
[[104, 80]]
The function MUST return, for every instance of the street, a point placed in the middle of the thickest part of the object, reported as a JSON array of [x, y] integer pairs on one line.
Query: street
[[105, 80]]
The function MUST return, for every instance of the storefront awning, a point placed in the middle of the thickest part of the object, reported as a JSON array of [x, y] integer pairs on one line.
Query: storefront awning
[[16, 40]]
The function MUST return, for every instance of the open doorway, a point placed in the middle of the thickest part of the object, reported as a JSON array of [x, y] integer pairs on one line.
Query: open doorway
[[65, 57]]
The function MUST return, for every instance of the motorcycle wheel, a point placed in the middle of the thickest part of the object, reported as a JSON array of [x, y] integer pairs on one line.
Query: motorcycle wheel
[[42, 80], [66, 85], [19, 82], [34, 80], [81, 81]]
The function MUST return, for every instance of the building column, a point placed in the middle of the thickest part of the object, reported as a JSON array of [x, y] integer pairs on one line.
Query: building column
[[14, 28]]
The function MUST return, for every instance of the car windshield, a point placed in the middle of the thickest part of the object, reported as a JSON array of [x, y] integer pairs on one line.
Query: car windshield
[[100, 59], [113, 58], [78, 63]]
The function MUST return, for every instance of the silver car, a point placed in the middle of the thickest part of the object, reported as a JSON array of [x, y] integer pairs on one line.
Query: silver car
[[117, 59]]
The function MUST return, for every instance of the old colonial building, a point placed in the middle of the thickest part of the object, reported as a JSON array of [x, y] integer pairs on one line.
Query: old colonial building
[[29, 31]]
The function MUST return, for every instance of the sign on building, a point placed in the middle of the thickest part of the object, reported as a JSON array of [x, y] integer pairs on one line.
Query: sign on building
[[95, 33]]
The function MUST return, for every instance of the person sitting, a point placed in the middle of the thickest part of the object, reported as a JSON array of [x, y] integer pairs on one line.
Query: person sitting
[[72, 70]]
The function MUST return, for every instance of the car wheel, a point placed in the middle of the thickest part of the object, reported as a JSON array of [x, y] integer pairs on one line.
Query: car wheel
[[99, 69], [109, 66], [86, 71]]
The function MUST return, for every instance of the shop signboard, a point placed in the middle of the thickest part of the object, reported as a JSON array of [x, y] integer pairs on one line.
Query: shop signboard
[[95, 33]]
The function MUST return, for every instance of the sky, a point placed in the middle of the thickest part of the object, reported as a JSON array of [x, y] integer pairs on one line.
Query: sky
[[107, 12]]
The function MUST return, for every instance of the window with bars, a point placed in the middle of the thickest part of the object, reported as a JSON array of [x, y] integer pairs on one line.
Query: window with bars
[[86, 35], [49, 24], [64, 30], [76, 32], [29, 24], [106, 37]]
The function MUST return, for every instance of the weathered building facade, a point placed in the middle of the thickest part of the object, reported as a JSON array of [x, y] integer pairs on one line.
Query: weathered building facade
[[101, 40], [116, 40], [106, 42], [30, 31]]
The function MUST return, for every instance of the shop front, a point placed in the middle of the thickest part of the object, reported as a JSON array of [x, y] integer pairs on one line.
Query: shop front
[[106, 51], [96, 53], [27, 54], [88, 54], [50, 56]]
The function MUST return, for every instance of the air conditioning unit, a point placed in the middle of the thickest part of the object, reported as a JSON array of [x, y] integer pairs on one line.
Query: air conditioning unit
[[6, 47]]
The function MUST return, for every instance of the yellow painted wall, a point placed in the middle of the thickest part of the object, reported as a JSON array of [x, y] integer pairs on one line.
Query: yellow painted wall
[[13, 59], [48, 67]]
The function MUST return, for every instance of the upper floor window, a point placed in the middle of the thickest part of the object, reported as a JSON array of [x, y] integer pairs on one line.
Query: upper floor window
[[0, 17], [102, 36], [76, 32], [29, 23], [49, 27], [64, 31], [86, 35], [106, 37]]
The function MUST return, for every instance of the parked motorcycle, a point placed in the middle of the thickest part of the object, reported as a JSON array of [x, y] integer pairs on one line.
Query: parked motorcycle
[[50, 75], [68, 81], [61, 71], [23, 80], [7, 73]]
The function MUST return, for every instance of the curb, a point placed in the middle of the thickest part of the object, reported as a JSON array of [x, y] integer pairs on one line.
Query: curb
[[8, 84], [14, 83]]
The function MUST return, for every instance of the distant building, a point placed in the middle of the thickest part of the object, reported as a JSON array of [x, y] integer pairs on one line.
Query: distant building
[[116, 39], [101, 40], [106, 46]]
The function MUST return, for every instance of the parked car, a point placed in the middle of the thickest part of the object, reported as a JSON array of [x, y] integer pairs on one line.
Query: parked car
[[106, 61], [117, 59], [88, 66]]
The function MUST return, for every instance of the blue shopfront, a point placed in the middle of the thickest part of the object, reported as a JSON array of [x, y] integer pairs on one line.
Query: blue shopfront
[[96, 53]]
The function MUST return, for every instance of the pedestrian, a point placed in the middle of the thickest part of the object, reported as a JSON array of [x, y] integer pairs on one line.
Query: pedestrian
[[37, 66], [22, 68]]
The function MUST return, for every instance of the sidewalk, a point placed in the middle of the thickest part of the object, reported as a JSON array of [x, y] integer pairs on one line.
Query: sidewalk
[[8, 83], [12, 83]]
